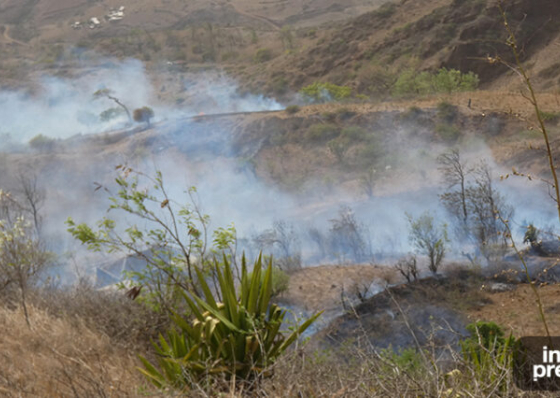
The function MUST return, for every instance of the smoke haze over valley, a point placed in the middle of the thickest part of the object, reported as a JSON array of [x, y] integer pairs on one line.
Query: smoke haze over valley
[[393, 165]]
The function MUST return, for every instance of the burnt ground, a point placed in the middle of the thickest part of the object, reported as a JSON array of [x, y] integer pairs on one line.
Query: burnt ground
[[435, 311]]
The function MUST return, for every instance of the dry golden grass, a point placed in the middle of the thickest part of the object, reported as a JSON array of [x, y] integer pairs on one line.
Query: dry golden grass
[[319, 288], [58, 358]]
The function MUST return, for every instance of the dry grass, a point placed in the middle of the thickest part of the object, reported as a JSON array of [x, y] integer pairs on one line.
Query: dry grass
[[320, 288], [59, 358], [127, 323]]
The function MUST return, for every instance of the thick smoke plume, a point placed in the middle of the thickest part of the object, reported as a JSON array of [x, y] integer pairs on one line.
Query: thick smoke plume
[[340, 226]]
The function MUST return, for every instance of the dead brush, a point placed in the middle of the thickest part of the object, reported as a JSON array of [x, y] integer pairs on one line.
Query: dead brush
[[59, 358], [127, 323]]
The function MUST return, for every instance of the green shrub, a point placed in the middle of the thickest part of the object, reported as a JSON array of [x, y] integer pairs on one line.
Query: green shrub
[[451, 80], [407, 359], [551, 117], [370, 153], [321, 132], [386, 10], [238, 337], [42, 143], [263, 55], [292, 109], [354, 133], [324, 92], [486, 335], [280, 280], [448, 132], [111, 113], [444, 80], [338, 148], [447, 112], [279, 85], [429, 239], [489, 352]]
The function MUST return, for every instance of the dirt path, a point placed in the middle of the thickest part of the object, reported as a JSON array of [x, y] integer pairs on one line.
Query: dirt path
[[266, 20], [9, 39]]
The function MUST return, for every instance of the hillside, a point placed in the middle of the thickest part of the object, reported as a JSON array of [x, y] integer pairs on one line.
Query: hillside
[[365, 45], [381, 159], [368, 52]]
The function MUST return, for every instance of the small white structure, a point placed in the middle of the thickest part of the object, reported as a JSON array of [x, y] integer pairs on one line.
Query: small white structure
[[115, 15], [76, 25], [94, 23]]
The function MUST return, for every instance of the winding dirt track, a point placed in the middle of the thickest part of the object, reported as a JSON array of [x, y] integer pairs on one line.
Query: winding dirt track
[[270, 22], [9, 39]]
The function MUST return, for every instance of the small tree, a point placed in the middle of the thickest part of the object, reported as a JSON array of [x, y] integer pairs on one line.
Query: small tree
[[367, 182], [22, 255], [107, 93], [348, 235], [143, 114], [486, 204], [287, 37], [338, 148], [172, 238], [428, 238], [408, 267], [324, 92], [455, 173]]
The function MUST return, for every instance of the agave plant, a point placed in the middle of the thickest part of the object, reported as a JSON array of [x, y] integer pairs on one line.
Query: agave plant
[[239, 336]]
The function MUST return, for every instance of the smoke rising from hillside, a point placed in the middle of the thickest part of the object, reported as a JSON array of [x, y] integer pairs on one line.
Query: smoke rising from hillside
[[64, 107], [194, 152]]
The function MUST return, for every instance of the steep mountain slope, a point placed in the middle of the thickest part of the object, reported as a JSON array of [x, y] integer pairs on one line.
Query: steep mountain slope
[[368, 51]]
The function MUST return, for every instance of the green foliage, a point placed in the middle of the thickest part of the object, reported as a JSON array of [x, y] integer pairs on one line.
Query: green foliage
[[531, 235], [486, 335], [280, 280], [489, 352], [408, 360], [428, 238], [452, 80], [338, 148], [447, 112], [354, 133], [279, 85], [412, 82], [447, 132], [172, 238], [254, 36], [386, 10], [292, 109], [370, 153], [238, 337], [321, 132], [143, 115], [324, 92], [42, 143], [287, 37], [551, 117], [263, 55], [111, 113]]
